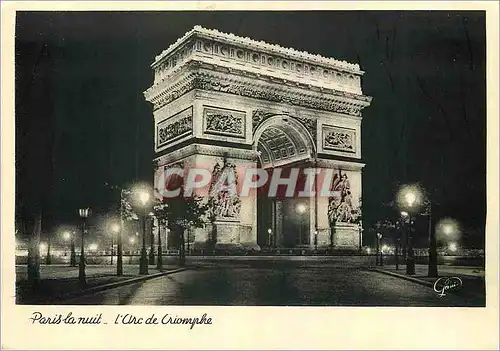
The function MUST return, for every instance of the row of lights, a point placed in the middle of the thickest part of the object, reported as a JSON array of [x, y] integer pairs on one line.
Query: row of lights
[[143, 197]]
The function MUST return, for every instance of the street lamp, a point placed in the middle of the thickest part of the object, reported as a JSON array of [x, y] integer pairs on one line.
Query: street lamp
[[84, 214], [70, 236], [301, 209], [269, 236], [115, 229], [143, 263], [316, 240], [409, 197], [448, 231], [414, 196], [379, 253], [152, 240]]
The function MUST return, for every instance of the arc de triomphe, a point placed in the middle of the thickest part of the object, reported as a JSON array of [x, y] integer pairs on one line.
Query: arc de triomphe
[[225, 102]]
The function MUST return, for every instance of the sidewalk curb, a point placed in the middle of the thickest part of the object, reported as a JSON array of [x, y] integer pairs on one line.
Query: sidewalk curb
[[402, 276], [108, 286]]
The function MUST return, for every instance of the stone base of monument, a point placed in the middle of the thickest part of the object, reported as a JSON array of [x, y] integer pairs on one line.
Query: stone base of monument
[[346, 237], [231, 237]]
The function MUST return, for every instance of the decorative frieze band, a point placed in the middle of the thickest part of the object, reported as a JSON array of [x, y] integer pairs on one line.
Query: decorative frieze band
[[231, 38], [201, 43], [335, 101], [339, 139], [221, 121], [174, 127]]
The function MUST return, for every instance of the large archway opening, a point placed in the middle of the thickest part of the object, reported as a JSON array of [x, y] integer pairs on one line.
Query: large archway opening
[[284, 221]]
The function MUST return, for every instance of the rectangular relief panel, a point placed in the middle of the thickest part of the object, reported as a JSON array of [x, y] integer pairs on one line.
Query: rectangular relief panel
[[174, 127], [224, 122], [339, 139]]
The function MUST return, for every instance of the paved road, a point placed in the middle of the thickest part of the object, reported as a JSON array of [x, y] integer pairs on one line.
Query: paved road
[[313, 284], [57, 271]]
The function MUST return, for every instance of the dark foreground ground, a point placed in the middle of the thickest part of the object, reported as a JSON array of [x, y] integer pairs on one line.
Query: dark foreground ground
[[294, 282]]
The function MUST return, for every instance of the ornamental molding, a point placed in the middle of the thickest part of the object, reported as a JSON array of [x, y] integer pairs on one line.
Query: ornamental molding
[[260, 115], [232, 39], [336, 164], [207, 150], [294, 94]]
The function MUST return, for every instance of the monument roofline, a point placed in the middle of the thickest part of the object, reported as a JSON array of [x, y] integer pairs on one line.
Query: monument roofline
[[246, 42]]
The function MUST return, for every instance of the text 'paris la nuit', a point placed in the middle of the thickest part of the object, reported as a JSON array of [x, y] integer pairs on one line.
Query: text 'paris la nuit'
[[122, 319]]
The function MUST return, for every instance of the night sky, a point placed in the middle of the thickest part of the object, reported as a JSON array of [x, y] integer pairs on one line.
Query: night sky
[[82, 121]]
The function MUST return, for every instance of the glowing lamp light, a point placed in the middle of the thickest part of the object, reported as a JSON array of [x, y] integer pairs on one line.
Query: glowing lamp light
[[131, 240], [144, 197], [368, 250], [453, 247], [410, 198], [67, 235], [447, 229], [115, 228], [404, 214], [301, 208]]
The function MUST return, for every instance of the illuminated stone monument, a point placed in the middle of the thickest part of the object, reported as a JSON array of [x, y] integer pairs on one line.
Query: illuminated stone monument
[[227, 103]]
